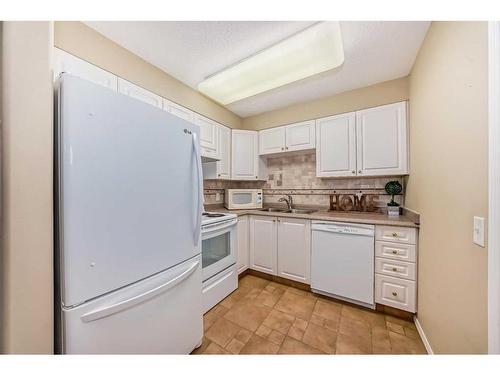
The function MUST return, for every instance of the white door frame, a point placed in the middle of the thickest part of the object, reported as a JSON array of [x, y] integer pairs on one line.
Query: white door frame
[[494, 188]]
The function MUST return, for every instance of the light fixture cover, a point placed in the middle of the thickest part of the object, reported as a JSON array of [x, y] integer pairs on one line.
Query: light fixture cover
[[309, 52]]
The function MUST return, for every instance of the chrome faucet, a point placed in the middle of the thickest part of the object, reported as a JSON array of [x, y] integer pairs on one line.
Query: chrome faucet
[[289, 201]]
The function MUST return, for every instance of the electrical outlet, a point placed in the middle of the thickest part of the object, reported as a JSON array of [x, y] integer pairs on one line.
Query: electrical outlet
[[217, 197], [478, 229]]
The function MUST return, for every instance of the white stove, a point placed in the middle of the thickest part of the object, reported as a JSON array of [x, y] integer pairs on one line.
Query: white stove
[[214, 217], [218, 250]]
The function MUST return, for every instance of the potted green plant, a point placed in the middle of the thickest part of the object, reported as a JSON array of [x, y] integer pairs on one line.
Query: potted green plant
[[393, 188]]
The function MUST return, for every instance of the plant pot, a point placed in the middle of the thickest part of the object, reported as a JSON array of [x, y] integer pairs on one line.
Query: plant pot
[[393, 210]]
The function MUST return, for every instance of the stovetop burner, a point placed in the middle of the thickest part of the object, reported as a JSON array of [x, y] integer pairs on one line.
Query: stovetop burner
[[210, 214]]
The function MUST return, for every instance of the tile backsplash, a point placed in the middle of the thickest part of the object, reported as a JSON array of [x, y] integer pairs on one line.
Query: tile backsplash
[[296, 175]]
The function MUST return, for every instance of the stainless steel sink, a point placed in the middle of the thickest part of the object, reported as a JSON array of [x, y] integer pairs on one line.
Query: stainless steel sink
[[292, 211], [272, 209], [301, 211]]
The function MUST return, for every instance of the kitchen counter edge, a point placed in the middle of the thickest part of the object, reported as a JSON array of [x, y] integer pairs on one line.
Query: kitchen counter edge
[[359, 218]]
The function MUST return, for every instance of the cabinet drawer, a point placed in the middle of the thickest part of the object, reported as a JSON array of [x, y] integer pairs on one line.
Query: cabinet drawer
[[398, 251], [394, 292], [396, 234], [395, 268]]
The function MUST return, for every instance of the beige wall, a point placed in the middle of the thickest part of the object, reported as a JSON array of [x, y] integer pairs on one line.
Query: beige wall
[[27, 236], [448, 183], [86, 43], [366, 97]]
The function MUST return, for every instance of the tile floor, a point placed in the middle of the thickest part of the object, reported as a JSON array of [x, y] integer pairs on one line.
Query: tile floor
[[264, 317]]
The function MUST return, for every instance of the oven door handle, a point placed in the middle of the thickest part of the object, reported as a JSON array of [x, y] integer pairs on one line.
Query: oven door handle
[[216, 227]]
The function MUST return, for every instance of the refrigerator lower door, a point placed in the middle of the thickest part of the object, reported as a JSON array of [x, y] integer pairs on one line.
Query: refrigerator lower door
[[158, 315]]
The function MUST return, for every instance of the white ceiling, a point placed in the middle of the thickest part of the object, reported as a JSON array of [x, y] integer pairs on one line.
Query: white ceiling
[[191, 51]]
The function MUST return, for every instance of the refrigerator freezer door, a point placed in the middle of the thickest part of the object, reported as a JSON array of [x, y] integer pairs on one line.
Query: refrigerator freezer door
[[129, 190], [158, 315]]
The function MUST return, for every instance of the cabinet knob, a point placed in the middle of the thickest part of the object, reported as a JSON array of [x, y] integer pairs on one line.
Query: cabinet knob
[[286, 148], [360, 171], [394, 252], [394, 234], [218, 175], [394, 269], [282, 148], [256, 177], [274, 221], [394, 294], [353, 172]]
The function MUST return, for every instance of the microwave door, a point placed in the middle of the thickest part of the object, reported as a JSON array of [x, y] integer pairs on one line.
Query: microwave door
[[242, 198]]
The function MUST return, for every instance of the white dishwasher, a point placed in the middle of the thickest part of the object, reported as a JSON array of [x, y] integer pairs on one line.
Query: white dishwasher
[[342, 261]]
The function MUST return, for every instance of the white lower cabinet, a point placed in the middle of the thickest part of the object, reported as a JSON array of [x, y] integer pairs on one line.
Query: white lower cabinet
[[281, 246], [294, 249], [396, 292], [243, 244], [263, 244], [396, 267]]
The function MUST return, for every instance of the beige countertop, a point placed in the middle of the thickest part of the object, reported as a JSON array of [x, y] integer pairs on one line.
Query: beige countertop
[[349, 217]]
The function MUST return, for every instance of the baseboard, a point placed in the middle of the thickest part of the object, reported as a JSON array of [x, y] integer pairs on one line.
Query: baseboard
[[423, 336]]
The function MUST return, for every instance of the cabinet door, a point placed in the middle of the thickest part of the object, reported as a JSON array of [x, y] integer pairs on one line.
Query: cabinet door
[[294, 249], [244, 155], [223, 166], [137, 92], [220, 170], [208, 136], [243, 244], [336, 146], [178, 110], [263, 244], [300, 136], [68, 63], [382, 147], [272, 141]]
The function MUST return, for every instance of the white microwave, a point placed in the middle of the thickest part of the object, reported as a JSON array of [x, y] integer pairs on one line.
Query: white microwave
[[240, 199]]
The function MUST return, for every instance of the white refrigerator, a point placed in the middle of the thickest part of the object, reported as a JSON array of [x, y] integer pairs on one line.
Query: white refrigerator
[[128, 192]]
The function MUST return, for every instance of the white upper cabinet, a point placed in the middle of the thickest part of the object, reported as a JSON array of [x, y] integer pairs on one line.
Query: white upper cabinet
[[224, 165], [244, 155], [178, 110], [382, 140], [336, 146], [300, 136], [67, 63], [209, 135], [137, 92], [272, 141], [294, 137], [221, 169]]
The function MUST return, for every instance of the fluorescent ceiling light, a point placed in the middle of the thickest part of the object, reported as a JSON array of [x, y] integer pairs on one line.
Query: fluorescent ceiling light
[[309, 52]]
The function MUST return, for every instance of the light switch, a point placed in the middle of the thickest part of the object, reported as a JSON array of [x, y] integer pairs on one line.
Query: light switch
[[479, 231]]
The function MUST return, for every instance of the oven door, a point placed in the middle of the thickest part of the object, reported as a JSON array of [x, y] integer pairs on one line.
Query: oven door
[[218, 247]]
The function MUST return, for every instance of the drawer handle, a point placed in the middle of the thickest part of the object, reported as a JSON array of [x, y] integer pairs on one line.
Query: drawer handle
[[394, 269], [394, 294], [395, 252], [394, 234]]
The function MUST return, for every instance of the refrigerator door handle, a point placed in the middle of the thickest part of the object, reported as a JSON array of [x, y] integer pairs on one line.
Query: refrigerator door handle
[[120, 306], [198, 208]]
